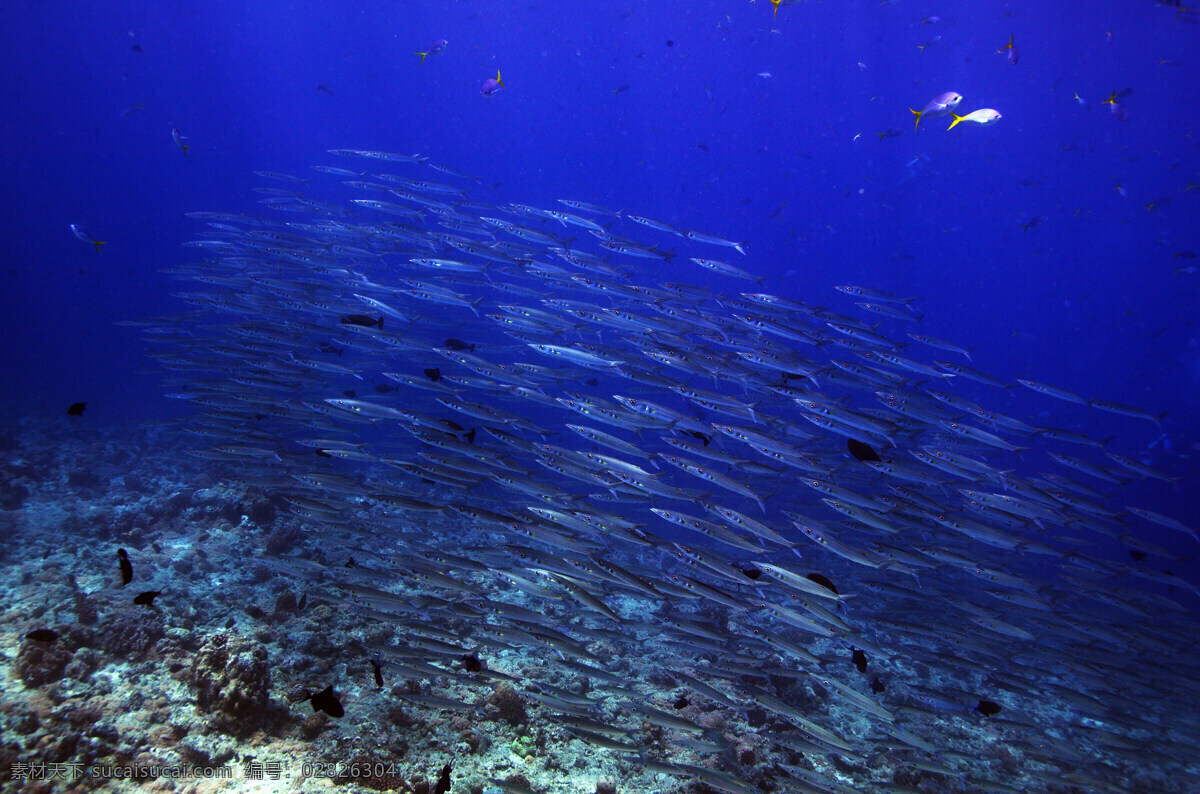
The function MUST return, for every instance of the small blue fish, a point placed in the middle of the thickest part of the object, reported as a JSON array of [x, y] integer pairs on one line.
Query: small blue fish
[[437, 47], [179, 140], [78, 231], [491, 86]]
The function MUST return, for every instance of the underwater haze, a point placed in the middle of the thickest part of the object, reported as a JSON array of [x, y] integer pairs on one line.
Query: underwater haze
[[591, 397]]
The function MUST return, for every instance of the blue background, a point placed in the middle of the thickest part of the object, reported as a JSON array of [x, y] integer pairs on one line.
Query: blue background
[[1091, 300]]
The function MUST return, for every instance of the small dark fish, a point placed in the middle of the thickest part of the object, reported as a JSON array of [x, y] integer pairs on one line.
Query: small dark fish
[[1137, 555], [1185, 254], [592, 382], [696, 434], [362, 320], [325, 347], [1035, 221], [823, 581], [752, 573], [433, 373], [988, 708], [471, 663], [126, 567], [146, 599], [443, 782], [375, 663], [303, 601], [326, 701], [621, 88], [702, 147], [682, 703], [470, 436], [76, 409], [42, 635], [459, 345], [860, 660], [230, 623], [889, 133], [351, 393], [383, 388], [861, 451], [324, 88], [136, 47], [877, 685]]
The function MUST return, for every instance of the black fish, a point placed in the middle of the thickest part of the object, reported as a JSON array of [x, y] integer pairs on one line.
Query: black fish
[[696, 434], [383, 388], [362, 320], [230, 623], [42, 635], [433, 373], [877, 685], [126, 567], [861, 451], [443, 782], [751, 573], [988, 708], [351, 393], [470, 436], [327, 702], [459, 345], [471, 663], [823, 581], [860, 660], [76, 409], [682, 703], [303, 601], [146, 599], [375, 663], [1137, 555]]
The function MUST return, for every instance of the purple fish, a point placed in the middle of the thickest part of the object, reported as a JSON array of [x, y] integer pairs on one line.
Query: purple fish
[[940, 105], [1011, 48], [437, 47], [491, 86]]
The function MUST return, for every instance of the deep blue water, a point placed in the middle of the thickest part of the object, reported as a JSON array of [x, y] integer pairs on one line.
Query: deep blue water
[[1098, 296]]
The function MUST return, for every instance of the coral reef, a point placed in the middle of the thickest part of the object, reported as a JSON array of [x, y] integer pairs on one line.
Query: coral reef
[[232, 680]]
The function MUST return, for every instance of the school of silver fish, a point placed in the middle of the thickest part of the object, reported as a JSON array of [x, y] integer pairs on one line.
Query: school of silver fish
[[536, 439]]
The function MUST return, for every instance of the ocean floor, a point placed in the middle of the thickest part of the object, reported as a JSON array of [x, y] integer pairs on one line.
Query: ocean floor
[[219, 683]]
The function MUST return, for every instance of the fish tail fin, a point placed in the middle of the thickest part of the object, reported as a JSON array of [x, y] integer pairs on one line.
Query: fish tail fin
[[917, 113], [957, 118], [498, 80], [422, 54], [99, 243]]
